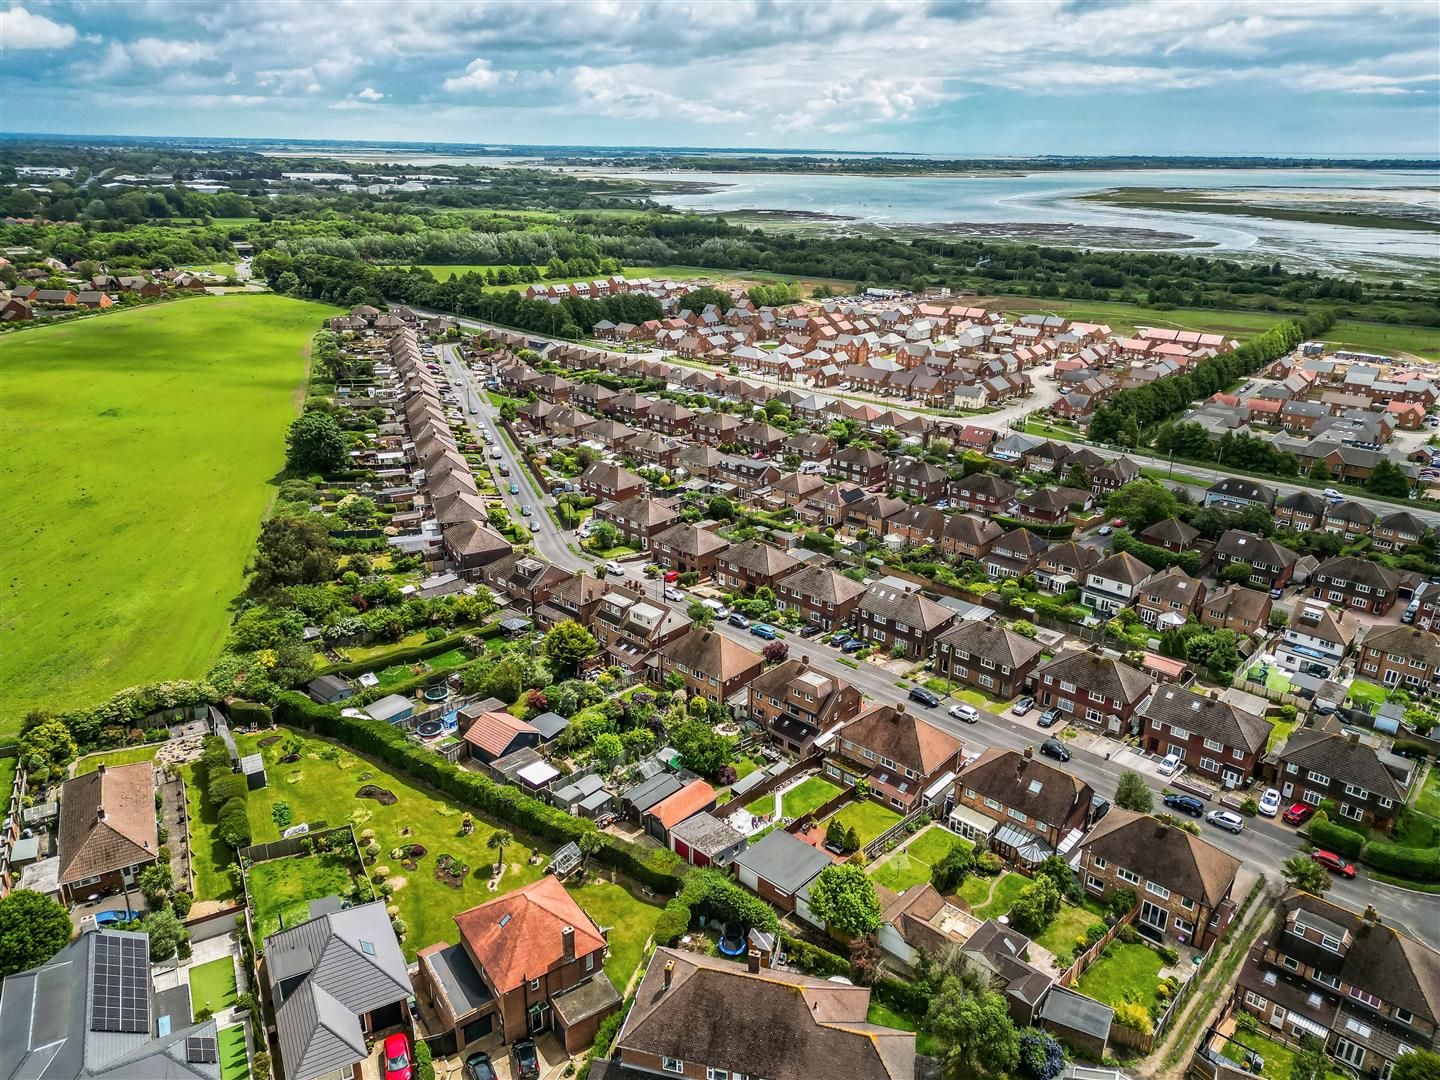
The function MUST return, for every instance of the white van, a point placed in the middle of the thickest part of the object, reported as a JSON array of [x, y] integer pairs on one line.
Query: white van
[[720, 610]]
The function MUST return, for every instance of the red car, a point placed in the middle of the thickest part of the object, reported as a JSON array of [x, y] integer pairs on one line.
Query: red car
[[1334, 863], [1298, 814], [1119, 523], [671, 576], [396, 1058]]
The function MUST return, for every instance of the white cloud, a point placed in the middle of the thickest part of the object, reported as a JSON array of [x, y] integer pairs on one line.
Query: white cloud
[[21, 29], [854, 103], [369, 94], [479, 76], [158, 52], [619, 93]]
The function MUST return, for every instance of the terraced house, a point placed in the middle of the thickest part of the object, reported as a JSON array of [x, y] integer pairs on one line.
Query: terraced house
[[796, 703], [1322, 762], [895, 617], [992, 658], [1369, 992], [1095, 689], [1223, 743], [1400, 656]]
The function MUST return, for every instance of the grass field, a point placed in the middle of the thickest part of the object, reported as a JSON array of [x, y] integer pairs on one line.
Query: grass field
[[137, 450], [128, 756], [234, 1058], [212, 985], [1124, 318], [1383, 338], [682, 273]]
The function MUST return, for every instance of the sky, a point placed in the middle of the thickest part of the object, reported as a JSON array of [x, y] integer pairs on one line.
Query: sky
[[1342, 77]]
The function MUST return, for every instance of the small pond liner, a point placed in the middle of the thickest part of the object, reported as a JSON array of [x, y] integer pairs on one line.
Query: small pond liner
[[732, 939], [381, 795]]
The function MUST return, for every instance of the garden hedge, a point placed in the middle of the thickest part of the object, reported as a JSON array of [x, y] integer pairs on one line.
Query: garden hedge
[[1416, 864], [1336, 838], [906, 998], [411, 654], [657, 868], [1062, 531], [249, 714]]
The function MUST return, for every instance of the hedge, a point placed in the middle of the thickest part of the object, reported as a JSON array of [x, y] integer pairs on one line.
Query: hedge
[[813, 959], [1063, 531], [412, 653], [249, 713], [1417, 864], [712, 890], [1157, 558], [906, 998], [1411, 749], [1336, 838], [655, 867]]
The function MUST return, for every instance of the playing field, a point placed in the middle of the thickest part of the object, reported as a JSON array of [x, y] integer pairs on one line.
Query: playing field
[[135, 450]]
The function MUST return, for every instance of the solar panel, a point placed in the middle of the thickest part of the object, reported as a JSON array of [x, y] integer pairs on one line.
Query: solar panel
[[201, 1049], [120, 983]]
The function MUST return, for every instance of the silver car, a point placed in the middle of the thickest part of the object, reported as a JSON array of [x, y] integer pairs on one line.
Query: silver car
[[1227, 820]]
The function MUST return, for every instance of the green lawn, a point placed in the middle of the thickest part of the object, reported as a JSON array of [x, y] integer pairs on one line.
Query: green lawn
[[234, 1059], [138, 447], [399, 673], [630, 922], [281, 889], [974, 889], [1124, 318], [925, 1043], [868, 817], [1279, 1058], [911, 865], [212, 985], [1276, 678], [209, 857], [1123, 973], [746, 764], [1427, 800], [813, 792], [1279, 733], [1384, 338], [8, 768], [1366, 695], [1059, 937], [110, 758]]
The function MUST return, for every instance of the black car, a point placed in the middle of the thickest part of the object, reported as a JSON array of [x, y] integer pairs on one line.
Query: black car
[[525, 1059], [1049, 716], [924, 697], [1056, 749], [809, 630], [478, 1067], [1186, 804]]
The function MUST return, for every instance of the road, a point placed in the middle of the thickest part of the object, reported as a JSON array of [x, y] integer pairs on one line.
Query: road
[[1262, 845]]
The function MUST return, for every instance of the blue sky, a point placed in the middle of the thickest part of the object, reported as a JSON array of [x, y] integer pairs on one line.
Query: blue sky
[[1171, 76]]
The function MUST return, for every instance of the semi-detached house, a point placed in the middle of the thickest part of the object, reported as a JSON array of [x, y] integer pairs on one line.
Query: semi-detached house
[[1368, 786], [1221, 742], [1113, 583], [1094, 689]]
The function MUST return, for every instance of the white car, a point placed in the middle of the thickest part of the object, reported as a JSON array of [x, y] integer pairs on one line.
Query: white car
[[1225, 819], [613, 567], [673, 594], [1106, 530], [967, 713], [1169, 764], [1331, 493], [1270, 802]]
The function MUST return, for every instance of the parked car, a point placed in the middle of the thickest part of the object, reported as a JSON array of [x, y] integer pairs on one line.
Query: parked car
[[613, 567], [840, 638], [739, 620], [924, 697], [1276, 594], [1106, 530], [809, 630], [525, 510], [1270, 802], [1334, 863], [1227, 820], [1169, 764], [765, 631], [1186, 804], [115, 918], [1119, 523], [1050, 717], [478, 1067], [534, 526], [673, 594], [852, 646], [1333, 495], [525, 1059], [1023, 706], [1298, 814], [968, 713], [514, 489], [396, 1058], [1056, 749], [672, 576]]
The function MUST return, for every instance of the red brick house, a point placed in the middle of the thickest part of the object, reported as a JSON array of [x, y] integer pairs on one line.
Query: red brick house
[[709, 664], [985, 655], [1096, 690], [796, 703], [1036, 806], [611, 482], [1359, 584], [1223, 744], [898, 753], [753, 565], [823, 597]]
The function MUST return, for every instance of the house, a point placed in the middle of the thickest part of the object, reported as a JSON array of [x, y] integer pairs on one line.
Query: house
[[859, 465], [1397, 531], [1168, 599], [894, 616], [710, 664], [1272, 565], [1113, 583], [1112, 476], [492, 735], [898, 752], [696, 797], [1245, 611], [1368, 991], [335, 979], [704, 840], [107, 830], [1184, 882], [1350, 520], [629, 628], [921, 919], [1003, 954], [611, 482], [1096, 689], [1302, 511], [1015, 554], [823, 597], [1219, 741], [90, 1012], [1402, 656], [1051, 506], [968, 536], [639, 518], [983, 493], [472, 545], [93, 299], [1358, 584], [1172, 534], [529, 961], [701, 1018], [524, 579], [753, 565], [1316, 639], [982, 654], [916, 479], [1322, 762], [1065, 564], [796, 703], [688, 548], [1235, 493], [1042, 810], [778, 866]]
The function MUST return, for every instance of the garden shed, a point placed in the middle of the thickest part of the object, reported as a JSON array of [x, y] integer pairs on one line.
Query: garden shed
[[252, 767]]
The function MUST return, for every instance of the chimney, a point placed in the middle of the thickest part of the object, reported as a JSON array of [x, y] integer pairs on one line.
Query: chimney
[[1354, 738], [100, 813], [100, 769], [804, 661], [669, 973], [1029, 753], [899, 712], [1371, 915], [567, 944], [754, 958]]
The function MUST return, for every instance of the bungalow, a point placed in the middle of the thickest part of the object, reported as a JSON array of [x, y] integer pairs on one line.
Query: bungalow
[[107, 831], [1234, 493]]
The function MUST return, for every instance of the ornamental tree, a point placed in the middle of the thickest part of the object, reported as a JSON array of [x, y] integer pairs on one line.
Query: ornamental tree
[[843, 897], [33, 928]]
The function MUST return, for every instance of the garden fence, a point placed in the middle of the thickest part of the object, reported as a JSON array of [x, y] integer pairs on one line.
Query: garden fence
[[874, 847], [14, 804], [767, 787], [1072, 974], [821, 812]]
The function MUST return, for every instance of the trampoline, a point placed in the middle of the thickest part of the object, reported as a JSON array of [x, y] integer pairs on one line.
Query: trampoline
[[438, 692], [732, 939], [429, 729]]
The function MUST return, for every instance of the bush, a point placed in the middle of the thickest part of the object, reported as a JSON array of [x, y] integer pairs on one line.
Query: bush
[[1411, 749], [1130, 1015], [424, 1064], [814, 960], [1336, 838], [1416, 864], [225, 787]]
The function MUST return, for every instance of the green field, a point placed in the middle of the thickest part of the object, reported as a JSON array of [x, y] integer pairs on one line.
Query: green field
[[683, 273], [912, 864], [1124, 318], [1383, 338], [128, 756], [868, 818], [137, 450]]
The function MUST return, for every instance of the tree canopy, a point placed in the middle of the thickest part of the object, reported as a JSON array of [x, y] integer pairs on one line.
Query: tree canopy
[[843, 897], [315, 444], [33, 928]]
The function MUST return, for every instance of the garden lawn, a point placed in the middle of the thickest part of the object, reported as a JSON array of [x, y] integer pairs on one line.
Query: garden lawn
[[1279, 733], [1275, 677], [1366, 696], [8, 767], [868, 817], [745, 765], [925, 1043], [210, 858], [1279, 1058], [281, 889], [911, 865], [813, 792], [630, 921], [1428, 799], [212, 985], [1059, 937], [110, 758], [973, 891], [321, 787], [399, 673], [234, 1058], [1123, 973], [155, 431]]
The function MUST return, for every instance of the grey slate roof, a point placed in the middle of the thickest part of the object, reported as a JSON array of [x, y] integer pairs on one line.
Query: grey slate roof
[[1077, 1012], [784, 861]]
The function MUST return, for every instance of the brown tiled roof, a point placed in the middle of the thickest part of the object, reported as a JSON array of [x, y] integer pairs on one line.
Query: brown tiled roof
[[1042, 791], [1239, 603], [690, 539], [107, 821], [1168, 856], [908, 607], [1332, 754], [972, 529], [1170, 531], [1350, 570], [991, 642], [756, 557], [823, 586], [495, 731], [517, 937], [1208, 717], [902, 736], [1122, 567], [1103, 675], [712, 654], [474, 538], [1408, 641], [1247, 547], [1068, 553], [1169, 584]]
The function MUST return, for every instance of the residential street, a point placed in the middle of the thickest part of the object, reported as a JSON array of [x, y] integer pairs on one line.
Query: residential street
[[1263, 844]]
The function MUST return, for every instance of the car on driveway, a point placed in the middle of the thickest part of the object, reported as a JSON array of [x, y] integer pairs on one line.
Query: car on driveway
[[1169, 764], [115, 918], [673, 594], [525, 1059], [396, 1058], [478, 1067], [967, 713], [1056, 749], [1050, 717], [809, 630], [1334, 863], [1227, 820], [613, 567], [853, 645], [672, 576], [764, 630], [1105, 530], [924, 697], [1298, 814], [1119, 523], [1186, 804], [1023, 706], [1270, 802]]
